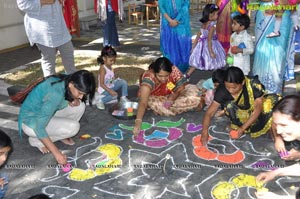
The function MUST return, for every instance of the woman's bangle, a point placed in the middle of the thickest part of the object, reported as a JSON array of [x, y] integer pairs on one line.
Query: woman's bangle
[[138, 120]]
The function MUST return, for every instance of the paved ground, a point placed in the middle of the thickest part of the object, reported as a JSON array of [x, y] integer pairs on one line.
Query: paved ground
[[165, 161]]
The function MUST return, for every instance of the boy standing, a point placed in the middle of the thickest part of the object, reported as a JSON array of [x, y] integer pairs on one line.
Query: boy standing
[[241, 44]]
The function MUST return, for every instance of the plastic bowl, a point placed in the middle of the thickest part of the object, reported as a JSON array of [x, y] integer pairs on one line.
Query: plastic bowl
[[121, 110], [126, 105]]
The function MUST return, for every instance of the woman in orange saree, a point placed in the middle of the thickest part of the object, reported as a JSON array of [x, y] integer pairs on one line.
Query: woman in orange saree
[[165, 90]]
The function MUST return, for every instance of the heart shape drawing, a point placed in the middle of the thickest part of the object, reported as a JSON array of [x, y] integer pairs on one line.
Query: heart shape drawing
[[117, 134], [192, 127]]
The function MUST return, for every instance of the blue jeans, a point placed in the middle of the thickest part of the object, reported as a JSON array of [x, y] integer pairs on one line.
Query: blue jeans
[[3, 191], [110, 33], [118, 84]]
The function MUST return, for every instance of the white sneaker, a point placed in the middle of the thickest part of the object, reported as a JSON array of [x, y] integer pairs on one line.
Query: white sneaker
[[124, 99], [100, 105], [112, 101], [97, 98]]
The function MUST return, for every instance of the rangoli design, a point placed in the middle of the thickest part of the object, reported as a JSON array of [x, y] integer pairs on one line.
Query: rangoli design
[[156, 138], [211, 153], [224, 190]]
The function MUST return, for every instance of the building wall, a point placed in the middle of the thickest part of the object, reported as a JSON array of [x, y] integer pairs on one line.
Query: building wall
[[12, 31], [85, 8]]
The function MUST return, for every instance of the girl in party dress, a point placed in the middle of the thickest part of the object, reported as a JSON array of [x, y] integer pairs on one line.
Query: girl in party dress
[[208, 53]]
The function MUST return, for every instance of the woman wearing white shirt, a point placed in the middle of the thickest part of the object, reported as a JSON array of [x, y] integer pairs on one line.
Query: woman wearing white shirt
[[45, 26]]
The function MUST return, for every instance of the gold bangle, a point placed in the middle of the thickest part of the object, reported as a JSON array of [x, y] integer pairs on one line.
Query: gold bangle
[[138, 120]]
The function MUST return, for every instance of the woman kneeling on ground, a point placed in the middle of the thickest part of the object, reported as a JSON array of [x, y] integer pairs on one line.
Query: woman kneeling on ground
[[244, 101], [286, 125], [52, 110], [164, 90]]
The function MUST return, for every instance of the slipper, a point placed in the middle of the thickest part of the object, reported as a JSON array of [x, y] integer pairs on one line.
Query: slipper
[[68, 141], [43, 150], [273, 34]]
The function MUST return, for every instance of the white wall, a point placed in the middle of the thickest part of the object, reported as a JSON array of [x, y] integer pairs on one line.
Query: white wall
[[12, 31], [85, 8]]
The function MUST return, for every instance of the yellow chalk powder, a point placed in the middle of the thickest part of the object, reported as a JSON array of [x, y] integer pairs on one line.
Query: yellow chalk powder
[[110, 150], [222, 190], [81, 175], [85, 136], [263, 189], [244, 180], [113, 162]]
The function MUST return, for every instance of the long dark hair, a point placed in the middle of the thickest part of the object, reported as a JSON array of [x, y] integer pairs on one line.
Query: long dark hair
[[5, 140], [106, 51], [208, 9], [40, 196], [83, 80], [161, 63], [234, 75], [298, 194], [289, 105], [218, 76]]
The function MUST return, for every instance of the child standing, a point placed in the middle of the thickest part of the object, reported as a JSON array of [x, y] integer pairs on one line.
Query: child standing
[[295, 14], [241, 44], [108, 84], [5, 148], [207, 53]]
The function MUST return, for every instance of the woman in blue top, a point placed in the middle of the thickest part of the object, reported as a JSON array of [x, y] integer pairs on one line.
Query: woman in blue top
[[175, 32], [274, 57], [52, 110]]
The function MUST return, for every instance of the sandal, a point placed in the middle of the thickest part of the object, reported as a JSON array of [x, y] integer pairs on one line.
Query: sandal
[[187, 76], [44, 150], [68, 141], [274, 34]]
